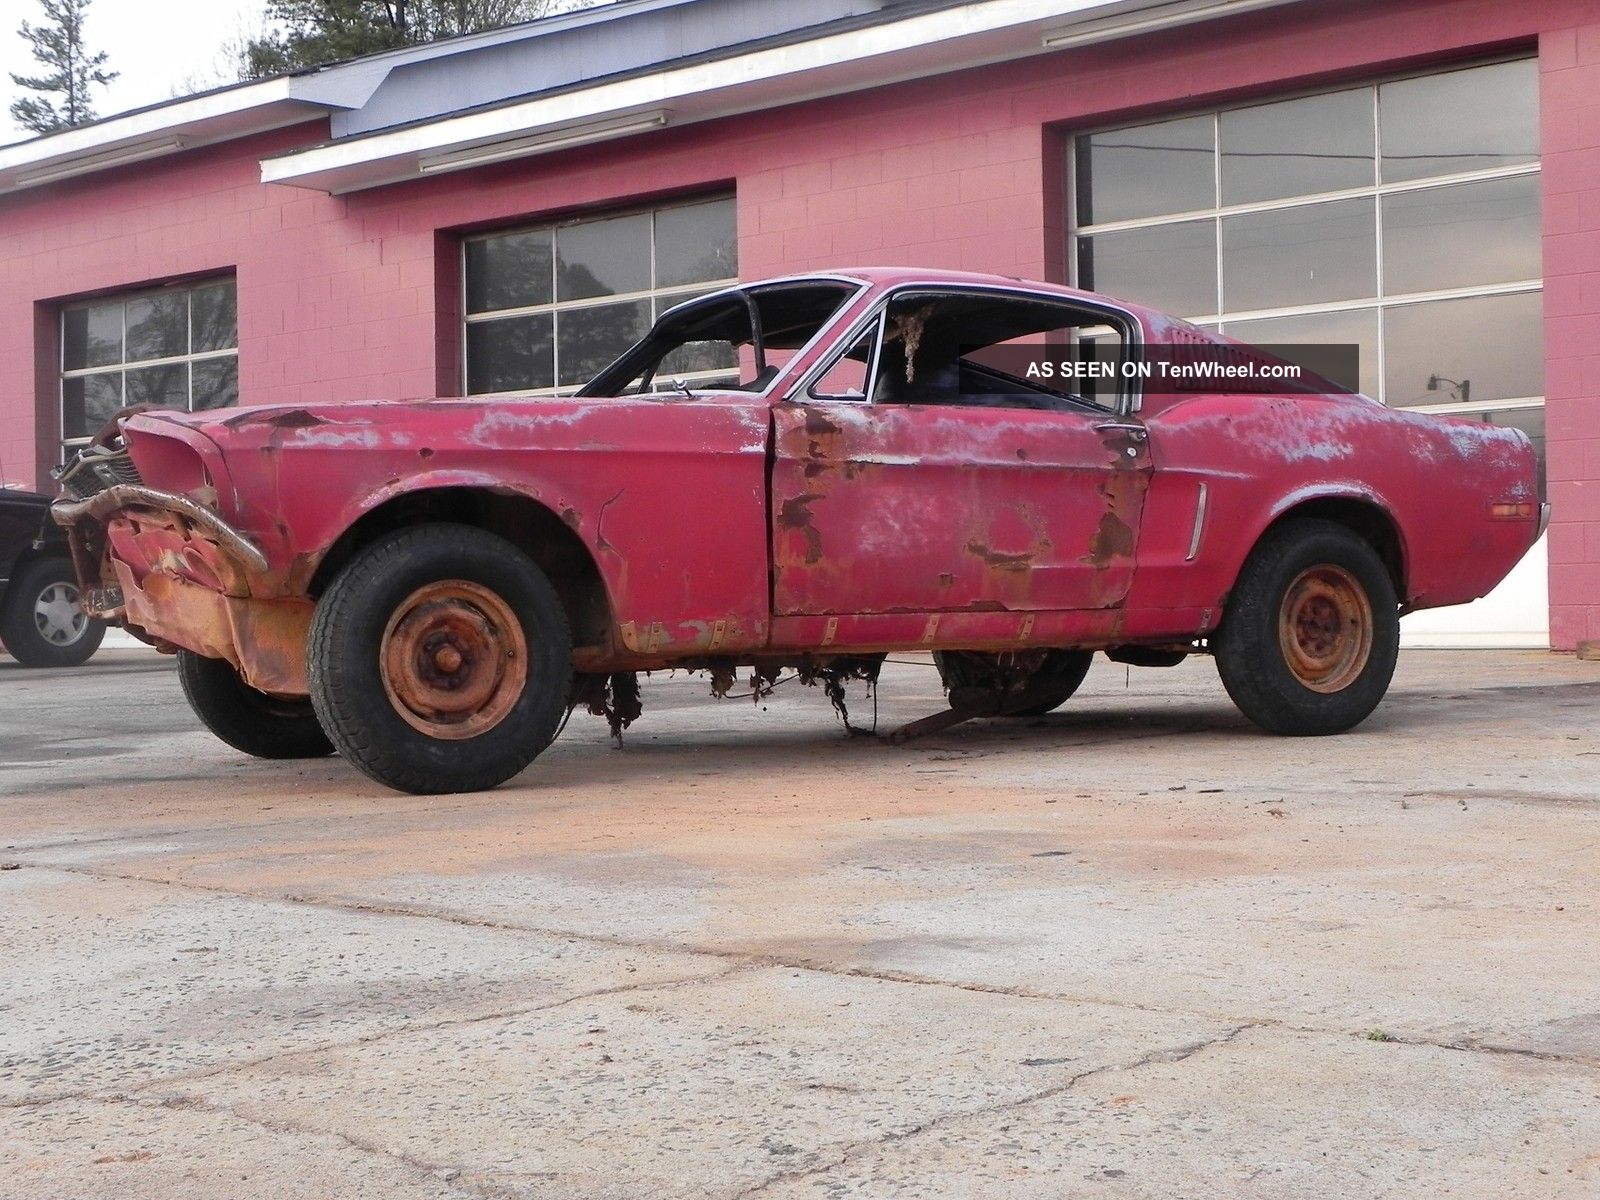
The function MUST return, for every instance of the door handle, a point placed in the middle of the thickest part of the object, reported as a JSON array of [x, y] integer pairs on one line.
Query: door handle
[[1135, 432]]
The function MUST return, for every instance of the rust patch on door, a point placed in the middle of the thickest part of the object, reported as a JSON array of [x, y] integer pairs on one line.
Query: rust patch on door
[[795, 514], [999, 561], [1113, 540]]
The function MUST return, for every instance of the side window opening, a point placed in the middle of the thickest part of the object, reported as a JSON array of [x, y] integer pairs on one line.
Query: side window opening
[[729, 341], [974, 349], [848, 376]]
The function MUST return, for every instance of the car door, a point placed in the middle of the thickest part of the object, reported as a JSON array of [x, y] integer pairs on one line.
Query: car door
[[880, 506]]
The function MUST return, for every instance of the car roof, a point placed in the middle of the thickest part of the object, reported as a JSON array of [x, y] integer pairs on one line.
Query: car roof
[[881, 278]]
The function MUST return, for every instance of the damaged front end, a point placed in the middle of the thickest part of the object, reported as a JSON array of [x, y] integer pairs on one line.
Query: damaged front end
[[164, 564]]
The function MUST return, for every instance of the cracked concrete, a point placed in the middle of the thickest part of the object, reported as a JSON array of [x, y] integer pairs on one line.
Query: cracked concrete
[[1133, 949]]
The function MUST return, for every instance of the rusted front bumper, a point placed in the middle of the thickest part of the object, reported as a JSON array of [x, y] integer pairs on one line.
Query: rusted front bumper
[[170, 570]]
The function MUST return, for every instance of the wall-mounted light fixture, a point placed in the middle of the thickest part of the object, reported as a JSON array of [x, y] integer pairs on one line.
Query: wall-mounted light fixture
[[1461, 389], [1105, 29], [543, 143], [120, 157]]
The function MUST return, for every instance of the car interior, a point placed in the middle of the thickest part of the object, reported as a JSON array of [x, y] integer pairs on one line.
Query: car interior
[[977, 350]]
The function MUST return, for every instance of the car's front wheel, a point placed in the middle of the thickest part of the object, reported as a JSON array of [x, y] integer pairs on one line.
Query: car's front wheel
[[260, 725], [440, 660], [1312, 630], [42, 622]]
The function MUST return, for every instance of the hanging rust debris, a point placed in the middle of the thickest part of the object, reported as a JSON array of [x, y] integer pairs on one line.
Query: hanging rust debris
[[724, 676], [762, 681], [833, 675], [614, 697]]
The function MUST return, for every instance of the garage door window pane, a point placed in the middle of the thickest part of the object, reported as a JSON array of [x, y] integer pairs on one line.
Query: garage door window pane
[[1467, 120], [1350, 328], [88, 402], [589, 338], [1309, 255], [1170, 267], [1493, 345], [510, 271], [1297, 147], [91, 337], [513, 354], [214, 318], [695, 243], [603, 258], [214, 383], [1467, 235], [1147, 170], [158, 326], [165, 386]]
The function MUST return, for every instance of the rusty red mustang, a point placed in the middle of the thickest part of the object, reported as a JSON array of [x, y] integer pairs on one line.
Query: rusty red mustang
[[799, 474]]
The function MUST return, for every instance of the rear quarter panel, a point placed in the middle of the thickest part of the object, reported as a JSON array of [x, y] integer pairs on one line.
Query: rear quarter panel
[[1260, 457]]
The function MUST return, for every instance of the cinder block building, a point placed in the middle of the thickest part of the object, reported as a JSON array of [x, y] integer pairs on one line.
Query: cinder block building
[[504, 212]]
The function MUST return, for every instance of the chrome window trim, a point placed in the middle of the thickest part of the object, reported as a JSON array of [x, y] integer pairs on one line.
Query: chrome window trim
[[858, 284]]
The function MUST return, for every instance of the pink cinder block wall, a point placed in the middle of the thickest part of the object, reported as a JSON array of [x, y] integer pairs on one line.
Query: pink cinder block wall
[[1569, 96], [355, 297]]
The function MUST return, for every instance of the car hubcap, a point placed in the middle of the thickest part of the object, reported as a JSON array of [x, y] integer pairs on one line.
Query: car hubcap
[[58, 616], [1325, 628], [454, 659]]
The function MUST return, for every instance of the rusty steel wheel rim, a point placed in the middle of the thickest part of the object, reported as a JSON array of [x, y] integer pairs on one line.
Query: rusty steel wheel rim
[[1325, 628], [454, 659]]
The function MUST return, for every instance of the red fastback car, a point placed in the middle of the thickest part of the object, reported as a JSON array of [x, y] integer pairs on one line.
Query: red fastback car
[[802, 473]]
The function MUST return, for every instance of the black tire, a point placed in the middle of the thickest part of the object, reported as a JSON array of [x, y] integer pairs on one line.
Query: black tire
[[253, 722], [1311, 633], [33, 625], [1058, 678], [378, 679]]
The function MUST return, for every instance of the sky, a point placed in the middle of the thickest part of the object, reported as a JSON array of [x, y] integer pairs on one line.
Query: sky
[[160, 47]]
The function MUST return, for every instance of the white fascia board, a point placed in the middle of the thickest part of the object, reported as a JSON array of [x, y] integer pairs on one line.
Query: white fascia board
[[171, 128], [929, 43]]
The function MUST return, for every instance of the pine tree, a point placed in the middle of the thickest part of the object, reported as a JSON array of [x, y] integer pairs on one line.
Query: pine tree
[[71, 70], [310, 33]]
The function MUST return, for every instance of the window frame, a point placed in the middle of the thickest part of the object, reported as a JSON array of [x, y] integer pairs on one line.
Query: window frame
[[1220, 317], [122, 298], [661, 300], [778, 382], [1129, 395]]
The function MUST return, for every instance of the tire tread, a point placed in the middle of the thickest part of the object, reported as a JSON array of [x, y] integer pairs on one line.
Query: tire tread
[[346, 709], [1248, 656]]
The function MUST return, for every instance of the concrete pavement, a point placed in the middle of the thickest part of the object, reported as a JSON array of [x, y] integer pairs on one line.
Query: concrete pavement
[[1135, 949]]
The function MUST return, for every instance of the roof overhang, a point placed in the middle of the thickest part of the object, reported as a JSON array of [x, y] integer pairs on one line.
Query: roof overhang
[[922, 43], [217, 116], [888, 41]]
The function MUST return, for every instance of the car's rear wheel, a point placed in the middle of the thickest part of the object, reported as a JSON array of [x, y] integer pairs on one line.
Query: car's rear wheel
[[42, 622], [440, 660], [1051, 676], [1312, 630], [256, 723]]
